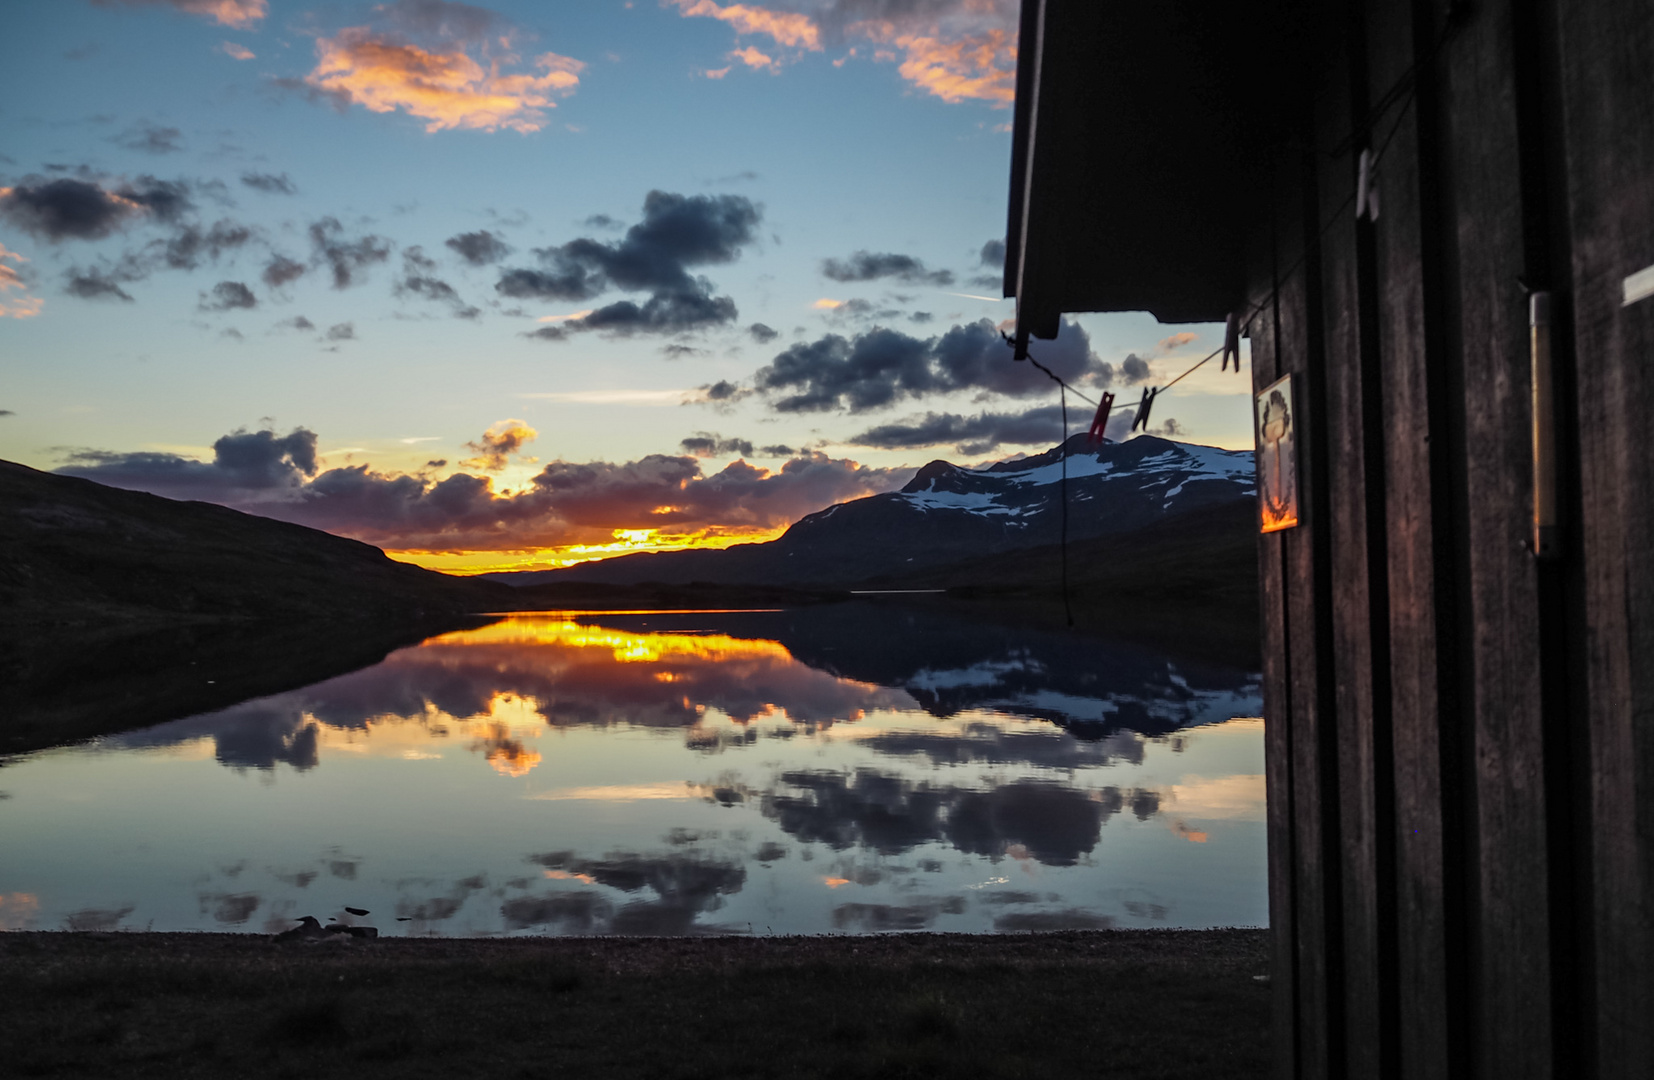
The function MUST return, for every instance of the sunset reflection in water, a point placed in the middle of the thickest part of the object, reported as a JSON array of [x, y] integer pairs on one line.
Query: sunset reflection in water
[[643, 773]]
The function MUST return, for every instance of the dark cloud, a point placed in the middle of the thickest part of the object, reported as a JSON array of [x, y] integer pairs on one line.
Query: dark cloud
[[228, 295], [920, 317], [232, 333], [495, 448], [1134, 369], [777, 450], [345, 331], [245, 463], [97, 284], [677, 351], [270, 183], [1053, 823], [479, 248], [100, 919], [993, 254], [870, 266], [685, 885], [297, 322], [418, 281], [186, 247], [566, 502], [347, 258], [603, 221], [281, 270], [561, 913], [969, 435], [66, 209], [1067, 919], [705, 444], [677, 232], [232, 909], [882, 366], [762, 334], [7, 412], [873, 918], [150, 139]]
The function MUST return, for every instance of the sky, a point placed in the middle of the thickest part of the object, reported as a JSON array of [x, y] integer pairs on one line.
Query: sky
[[517, 285]]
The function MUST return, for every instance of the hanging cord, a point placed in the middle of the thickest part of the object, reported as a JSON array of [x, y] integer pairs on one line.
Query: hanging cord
[[1062, 393]]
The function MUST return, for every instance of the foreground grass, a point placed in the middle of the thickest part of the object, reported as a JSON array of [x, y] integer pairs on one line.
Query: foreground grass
[[1140, 1004]]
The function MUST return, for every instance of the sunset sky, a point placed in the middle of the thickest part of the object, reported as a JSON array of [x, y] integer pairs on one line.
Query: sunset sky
[[506, 286]]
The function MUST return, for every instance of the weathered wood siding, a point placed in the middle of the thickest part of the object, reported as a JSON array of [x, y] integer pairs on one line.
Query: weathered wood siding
[[1461, 740]]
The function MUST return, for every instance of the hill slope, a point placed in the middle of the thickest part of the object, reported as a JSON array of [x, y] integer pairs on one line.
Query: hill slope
[[79, 554]]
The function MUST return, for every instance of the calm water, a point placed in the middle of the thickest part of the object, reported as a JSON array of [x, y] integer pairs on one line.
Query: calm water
[[843, 769]]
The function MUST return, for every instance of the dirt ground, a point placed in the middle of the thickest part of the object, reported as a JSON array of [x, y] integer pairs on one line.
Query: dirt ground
[[1139, 1004]]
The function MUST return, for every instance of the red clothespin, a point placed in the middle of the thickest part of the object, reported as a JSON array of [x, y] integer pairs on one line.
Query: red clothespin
[[1231, 343], [1095, 436], [1143, 408], [1366, 188]]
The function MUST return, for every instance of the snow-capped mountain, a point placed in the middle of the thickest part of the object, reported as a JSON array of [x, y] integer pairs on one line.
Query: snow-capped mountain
[[947, 514]]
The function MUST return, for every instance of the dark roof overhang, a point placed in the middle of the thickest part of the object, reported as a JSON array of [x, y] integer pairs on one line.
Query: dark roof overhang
[[1142, 139]]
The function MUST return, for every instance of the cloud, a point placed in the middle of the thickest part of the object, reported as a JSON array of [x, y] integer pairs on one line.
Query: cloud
[[762, 334], [970, 435], [23, 306], [459, 77], [345, 331], [479, 248], [73, 209], [297, 322], [346, 258], [1134, 369], [150, 139], [503, 440], [184, 249], [1176, 341], [227, 296], [237, 13], [281, 270], [993, 254], [786, 28], [414, 282], [705, 444], [957, 50], [270, 183], [247, 466], [677, 232], [867, 266], [752, 58], [97, 284], [882, 366], [565, 503], [236, 52]]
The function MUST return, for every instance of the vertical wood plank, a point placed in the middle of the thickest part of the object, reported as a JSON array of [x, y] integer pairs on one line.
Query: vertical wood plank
[[1608, 120], [1485, 321], [1421, 931]]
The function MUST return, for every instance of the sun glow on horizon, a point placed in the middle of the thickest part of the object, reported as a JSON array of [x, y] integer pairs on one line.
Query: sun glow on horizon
[[625, 542]]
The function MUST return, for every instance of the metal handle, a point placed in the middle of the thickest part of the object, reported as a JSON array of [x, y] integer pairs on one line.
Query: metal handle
[[1547, 539]]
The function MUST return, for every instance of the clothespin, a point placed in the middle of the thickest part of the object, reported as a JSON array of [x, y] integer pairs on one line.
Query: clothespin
[[1143, 407], [1231, 343], [1366, 189], [1099, 422]]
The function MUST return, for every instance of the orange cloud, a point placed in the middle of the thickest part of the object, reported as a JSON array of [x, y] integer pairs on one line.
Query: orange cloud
[[21, 307], [237, 13], [447, 88], [752, 58], [239, 52], [1176, 341], [502, 439], [18, 910], [711, 73], [787, 28], [980, 67]]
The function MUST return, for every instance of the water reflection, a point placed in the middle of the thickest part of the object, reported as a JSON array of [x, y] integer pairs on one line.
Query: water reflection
[[842, 768]]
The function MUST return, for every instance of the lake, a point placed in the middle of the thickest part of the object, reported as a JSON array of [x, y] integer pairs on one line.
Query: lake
[[846, 768]]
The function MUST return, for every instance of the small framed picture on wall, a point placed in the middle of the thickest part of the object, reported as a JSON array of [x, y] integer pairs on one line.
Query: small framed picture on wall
[[1277, 435]]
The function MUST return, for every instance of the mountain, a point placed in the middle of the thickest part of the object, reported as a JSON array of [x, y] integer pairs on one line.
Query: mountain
[[949, 515], [80, 555]]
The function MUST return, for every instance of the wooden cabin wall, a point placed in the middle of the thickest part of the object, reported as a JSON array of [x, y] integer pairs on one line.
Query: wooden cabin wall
[[1460, 736]]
